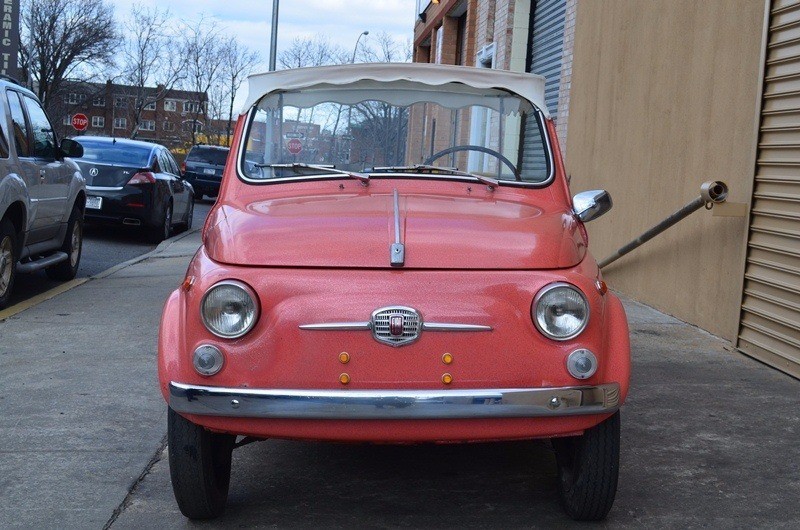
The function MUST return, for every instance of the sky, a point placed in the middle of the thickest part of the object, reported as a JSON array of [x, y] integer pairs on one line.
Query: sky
[[342, 21]]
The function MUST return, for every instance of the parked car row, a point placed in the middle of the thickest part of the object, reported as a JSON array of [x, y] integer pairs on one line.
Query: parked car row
[[48, 189]]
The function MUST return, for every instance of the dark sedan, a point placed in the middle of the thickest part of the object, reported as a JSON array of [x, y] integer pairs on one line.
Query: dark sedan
[[135, 183], [203, 169]]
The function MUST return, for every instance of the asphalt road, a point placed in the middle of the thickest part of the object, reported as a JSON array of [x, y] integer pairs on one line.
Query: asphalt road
[[103, 247]]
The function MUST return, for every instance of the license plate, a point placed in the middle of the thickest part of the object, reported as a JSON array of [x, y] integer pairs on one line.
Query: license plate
[[94, 203], [209, 171]]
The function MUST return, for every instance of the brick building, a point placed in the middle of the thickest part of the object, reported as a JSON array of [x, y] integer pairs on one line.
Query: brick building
[[167, 118]]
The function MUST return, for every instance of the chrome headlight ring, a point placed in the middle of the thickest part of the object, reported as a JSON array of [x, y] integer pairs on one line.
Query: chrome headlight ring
[[242, 303], [539, 319]]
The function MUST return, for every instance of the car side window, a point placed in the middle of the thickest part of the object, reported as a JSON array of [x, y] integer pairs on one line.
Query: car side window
[[19, 123], [4, 147], [44, 139], [172, 163]]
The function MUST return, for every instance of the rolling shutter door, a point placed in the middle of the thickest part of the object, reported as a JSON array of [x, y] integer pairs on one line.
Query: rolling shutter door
[[545, 59], [770, 322]]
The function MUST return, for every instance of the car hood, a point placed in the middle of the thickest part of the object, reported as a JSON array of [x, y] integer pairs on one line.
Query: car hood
[[356, 230]]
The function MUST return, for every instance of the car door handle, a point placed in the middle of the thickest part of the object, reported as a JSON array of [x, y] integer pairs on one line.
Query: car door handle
[[42, 174]]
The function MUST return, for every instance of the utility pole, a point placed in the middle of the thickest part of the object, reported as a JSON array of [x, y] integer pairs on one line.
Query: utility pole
[[273, 42]]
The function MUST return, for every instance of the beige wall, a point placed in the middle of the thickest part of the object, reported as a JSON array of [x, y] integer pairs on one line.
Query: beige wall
[[664, 97]]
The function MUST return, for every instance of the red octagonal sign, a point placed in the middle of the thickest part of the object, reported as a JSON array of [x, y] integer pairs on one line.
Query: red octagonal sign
[[80, 122], [294, 146]]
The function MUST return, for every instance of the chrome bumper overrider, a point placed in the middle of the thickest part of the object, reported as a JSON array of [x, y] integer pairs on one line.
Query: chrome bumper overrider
[[393, 405]]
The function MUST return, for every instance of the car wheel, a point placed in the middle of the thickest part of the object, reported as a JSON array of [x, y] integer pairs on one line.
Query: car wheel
[[72, 247], [8, 260], [199, 466], [588, 468], [164, 229]]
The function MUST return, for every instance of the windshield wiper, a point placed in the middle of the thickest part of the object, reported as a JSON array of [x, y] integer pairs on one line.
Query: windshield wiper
[[449, 170], [328, 169]]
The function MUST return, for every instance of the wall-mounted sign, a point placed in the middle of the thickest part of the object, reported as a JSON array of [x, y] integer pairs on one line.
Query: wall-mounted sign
[[9, 39]]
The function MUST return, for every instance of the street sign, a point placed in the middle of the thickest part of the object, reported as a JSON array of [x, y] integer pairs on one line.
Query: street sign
[[80, 122], [294, 146], [294, 135]]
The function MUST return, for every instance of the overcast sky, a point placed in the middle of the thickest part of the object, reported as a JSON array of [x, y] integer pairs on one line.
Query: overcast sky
[[340, 20]]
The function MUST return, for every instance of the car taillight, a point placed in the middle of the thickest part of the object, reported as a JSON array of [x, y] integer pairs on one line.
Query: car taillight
[[183, 167], [145, 177]]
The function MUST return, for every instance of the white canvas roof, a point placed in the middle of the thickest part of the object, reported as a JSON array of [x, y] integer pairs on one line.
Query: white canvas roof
[[423, 76]]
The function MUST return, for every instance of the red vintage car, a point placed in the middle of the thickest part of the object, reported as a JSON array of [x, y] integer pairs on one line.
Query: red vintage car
[[394, 257]]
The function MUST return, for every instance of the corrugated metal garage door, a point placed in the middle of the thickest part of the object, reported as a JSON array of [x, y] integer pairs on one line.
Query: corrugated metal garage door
[[545, 58], [770, 325]]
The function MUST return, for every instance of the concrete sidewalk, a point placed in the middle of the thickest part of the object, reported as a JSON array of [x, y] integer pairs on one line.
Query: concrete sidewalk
[[80, 412], [710, 437]]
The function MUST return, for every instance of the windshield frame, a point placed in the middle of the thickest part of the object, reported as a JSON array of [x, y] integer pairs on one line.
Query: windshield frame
[[537, 113]]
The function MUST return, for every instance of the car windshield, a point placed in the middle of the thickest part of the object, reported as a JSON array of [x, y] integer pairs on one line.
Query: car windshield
[[116, 153], [208, 155], [484, 132]]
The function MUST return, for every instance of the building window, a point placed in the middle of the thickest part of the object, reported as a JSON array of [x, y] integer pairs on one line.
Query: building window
[[67, 120], [169, 126], [120, 123], [71, 98], [98, 122], [439, 44], [120, 102], [150, 106], [99, 101], [170, 105], [193, 125], [191, 106], [147, 125]]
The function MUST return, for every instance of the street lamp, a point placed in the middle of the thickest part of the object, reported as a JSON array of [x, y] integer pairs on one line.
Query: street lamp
[[363, 34], [273, 41]]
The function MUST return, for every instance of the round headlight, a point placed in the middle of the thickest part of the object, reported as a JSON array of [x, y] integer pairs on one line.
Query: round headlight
[[560, 311], [229, 309]]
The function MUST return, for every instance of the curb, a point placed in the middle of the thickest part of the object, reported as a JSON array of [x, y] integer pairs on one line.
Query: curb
[[68, 286]]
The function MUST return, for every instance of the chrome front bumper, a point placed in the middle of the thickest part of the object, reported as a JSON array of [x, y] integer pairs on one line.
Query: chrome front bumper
[[393, 405]]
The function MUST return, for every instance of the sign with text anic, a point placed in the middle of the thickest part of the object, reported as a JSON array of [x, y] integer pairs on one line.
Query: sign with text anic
[[9, 38]]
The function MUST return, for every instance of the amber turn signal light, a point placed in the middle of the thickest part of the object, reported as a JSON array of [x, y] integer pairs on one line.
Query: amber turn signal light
[[447, 379], [447, 358], [344, 357], [344, 379]]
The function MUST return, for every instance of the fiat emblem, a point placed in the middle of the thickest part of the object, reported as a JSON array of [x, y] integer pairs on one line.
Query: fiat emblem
[[396, 325]]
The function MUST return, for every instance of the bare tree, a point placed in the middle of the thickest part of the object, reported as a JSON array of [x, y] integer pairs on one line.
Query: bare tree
[[147, 58], [201, 51], [238, 62], [386, 49], [59, 37]]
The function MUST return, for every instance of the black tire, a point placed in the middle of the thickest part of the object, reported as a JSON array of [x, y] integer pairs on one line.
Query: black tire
[[588, 469], [164, 228], [198, 195], [72, 247], [9, 254], [199, 466]]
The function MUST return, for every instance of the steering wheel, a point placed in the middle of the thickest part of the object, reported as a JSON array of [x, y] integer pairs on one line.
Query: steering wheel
[[478, 148]]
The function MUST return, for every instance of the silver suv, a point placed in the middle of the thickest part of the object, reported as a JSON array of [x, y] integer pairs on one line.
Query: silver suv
[[42, 193]]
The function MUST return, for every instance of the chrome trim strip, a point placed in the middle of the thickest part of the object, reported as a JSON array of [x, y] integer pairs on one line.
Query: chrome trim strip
[[104, 188], [338, 326], [365, 326], [446, 326], [397, 251], [393, 405], [512, 183]]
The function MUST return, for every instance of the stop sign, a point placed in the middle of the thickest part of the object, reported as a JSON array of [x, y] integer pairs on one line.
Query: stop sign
[[294, 146], [80, 122]]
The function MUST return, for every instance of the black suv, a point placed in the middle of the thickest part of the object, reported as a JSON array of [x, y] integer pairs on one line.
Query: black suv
[[203, 169]]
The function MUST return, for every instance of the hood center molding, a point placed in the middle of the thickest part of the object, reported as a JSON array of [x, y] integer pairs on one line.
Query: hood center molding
[[397, 251]]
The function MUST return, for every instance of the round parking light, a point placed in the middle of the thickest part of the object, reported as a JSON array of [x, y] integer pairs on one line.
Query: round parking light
[[581, 364], [208, 360]]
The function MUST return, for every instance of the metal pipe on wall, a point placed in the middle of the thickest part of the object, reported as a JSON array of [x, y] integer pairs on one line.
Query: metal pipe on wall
[[711, 193]]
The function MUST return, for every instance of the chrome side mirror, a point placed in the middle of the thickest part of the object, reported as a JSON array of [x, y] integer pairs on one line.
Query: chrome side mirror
[[589, 205]]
